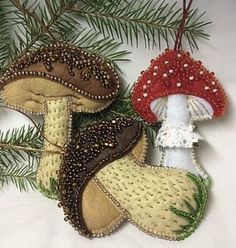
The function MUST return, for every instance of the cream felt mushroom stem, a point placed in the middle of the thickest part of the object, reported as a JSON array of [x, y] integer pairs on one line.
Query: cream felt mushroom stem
[[55, 81]]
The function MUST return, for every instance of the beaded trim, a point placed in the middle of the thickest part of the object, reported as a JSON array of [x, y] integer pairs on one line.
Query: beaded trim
[[73, 58], [78, 168]]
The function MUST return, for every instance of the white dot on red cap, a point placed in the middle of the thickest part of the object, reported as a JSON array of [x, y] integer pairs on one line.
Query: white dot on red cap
[[201, 72], [214, 90], [149, 81], [206, 88], [145, 94], [139, 99], [166, 62], [144, 86], [191, 77], [178, 55], [155, 67], [165, 75], [179, 84], [154, 74], [171, 71], [185, 65], [213, 82]]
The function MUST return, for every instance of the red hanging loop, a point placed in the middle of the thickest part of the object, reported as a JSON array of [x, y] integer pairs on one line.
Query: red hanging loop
[[180, 32]]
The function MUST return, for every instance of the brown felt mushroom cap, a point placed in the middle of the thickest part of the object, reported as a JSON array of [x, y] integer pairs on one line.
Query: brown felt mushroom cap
[[88, 152], [75, 70]]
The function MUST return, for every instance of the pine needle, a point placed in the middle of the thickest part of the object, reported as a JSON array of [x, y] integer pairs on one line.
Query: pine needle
[[152, 21], [22, 176], [18, 166], [25, 26]]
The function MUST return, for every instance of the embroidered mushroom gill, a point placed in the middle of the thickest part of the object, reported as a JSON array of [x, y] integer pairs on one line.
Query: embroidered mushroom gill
[[56, 80]]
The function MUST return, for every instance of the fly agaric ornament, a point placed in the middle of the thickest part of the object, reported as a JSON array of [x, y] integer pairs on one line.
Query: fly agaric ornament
[[177, 90]]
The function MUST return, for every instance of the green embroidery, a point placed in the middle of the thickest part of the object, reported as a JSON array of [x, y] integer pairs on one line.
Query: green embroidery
[[52, 192], [194, 215]]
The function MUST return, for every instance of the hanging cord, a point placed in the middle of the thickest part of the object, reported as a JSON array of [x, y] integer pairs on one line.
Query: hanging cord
[[179, 35], [8, 146]]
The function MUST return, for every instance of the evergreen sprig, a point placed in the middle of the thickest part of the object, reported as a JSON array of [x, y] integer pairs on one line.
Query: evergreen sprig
[[22, 175], [26, 25], [18, 166], [26, 136], [153, 20]]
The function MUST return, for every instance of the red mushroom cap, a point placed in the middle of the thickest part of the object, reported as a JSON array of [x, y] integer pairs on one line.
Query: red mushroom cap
[[175, 72]]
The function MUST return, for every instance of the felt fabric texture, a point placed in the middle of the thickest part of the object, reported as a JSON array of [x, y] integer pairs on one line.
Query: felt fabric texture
[[100, 214], [29, 95], [57, 126], [146, 195], [177, 110], [68, 65], [139, 152], [180, 158], [88, 151]]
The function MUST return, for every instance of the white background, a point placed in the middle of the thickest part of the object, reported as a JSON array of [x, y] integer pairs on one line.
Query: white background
[[29, 220]]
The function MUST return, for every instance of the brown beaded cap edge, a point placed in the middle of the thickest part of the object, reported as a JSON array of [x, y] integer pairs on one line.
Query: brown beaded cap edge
[[91, 150], [84, 72]]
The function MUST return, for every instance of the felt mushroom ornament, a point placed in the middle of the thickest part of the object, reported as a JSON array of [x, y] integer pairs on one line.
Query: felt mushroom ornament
[[178, 90], [162, 201], [55, 81]]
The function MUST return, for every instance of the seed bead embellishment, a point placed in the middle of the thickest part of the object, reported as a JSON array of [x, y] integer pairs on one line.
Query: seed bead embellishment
[[192, 75], [191, 78], [165, 75], [88, 152], [75, 61]]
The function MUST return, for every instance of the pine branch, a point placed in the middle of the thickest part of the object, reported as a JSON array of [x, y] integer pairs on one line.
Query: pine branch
[[153, 20], [24, 137], [21, 175], [36, 24], [18, 166]]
